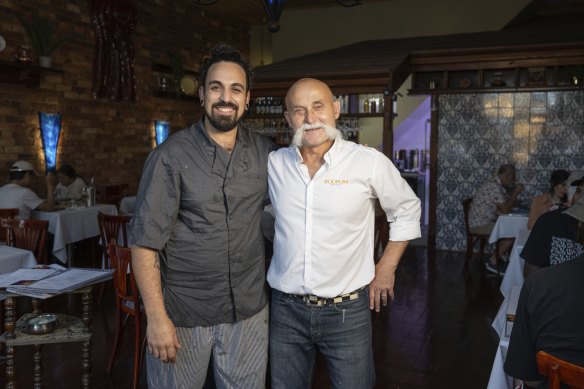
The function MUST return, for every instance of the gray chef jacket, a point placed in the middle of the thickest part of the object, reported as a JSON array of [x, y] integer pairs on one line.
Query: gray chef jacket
[[200, 208]]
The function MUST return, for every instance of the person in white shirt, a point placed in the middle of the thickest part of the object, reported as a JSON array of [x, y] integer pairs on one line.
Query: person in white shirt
[[70, 186], [323, 276], [17, 193]]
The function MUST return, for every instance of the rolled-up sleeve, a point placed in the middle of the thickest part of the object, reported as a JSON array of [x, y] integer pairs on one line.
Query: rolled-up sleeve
[[397, 199], [157, 202]]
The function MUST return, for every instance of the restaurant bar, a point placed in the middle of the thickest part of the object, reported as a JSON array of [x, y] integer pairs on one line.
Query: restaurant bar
[[218, 167]]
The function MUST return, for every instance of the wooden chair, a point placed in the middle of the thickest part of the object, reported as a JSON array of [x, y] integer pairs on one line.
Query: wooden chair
[[30, 235], [113, 194], [112, 228], [6, 213], [127, 303], [381, 235], [560, 371], [472, 239]]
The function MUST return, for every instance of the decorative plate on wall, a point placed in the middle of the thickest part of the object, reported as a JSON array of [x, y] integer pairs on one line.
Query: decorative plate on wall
[[188, 85], [2, 43]]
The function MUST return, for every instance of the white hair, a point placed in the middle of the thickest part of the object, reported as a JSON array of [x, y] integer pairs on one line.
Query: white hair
[[331, 132]]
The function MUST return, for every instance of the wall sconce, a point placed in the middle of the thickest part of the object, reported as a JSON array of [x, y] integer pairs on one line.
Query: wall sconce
[[161, 128], [50, 125]]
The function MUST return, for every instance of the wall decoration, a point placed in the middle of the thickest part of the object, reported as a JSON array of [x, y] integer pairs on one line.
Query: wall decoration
[[114, 21]]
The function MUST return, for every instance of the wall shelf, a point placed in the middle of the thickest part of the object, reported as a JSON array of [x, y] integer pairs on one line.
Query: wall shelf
[[25, 74], [516, 79]]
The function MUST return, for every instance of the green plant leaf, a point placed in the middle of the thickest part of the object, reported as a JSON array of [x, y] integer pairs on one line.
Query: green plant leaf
[[40, 32]]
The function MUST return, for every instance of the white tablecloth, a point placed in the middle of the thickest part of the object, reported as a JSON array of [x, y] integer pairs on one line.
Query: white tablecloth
[[508, 226], [498, 379], [127, 205], [514, 274], [501, 318], [12, 259], [72, 225]]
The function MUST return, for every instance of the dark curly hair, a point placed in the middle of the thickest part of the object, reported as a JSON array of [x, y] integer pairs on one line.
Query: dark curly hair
[[224, 52], [558, 177]]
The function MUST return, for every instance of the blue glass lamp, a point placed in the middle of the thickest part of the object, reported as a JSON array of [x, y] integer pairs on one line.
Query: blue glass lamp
[[161, 127], [50, 125]]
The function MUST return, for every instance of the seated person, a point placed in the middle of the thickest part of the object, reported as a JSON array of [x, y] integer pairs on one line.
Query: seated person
[[17, 193], [553, 239], [550, 318], [552, 199], [70, 186], [573, 185], [491, 200]]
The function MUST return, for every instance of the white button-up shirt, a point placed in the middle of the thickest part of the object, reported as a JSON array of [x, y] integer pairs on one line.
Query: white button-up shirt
[[324, 237]]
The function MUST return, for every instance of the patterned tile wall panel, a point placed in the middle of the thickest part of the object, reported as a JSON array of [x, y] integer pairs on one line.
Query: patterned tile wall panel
[[538, 132]]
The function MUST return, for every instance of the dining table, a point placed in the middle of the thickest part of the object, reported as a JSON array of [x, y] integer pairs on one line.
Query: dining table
[[508, 226], [72, 225], [498, 379], [514, 273], [13, 258]]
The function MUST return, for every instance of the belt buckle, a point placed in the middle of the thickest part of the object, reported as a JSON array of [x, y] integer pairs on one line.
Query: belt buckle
[[313, 300]]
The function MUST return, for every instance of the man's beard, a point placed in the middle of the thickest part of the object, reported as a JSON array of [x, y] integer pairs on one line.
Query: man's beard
[[331, 133], [223, 123]]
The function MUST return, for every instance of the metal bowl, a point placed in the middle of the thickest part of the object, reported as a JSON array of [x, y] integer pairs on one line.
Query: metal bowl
[[41, 324]]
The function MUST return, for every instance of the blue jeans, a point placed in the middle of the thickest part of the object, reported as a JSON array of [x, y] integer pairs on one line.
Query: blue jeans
[[342, 332]]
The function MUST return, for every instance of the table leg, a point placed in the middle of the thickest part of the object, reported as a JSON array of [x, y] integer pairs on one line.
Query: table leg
[[86, 352], [9, 327], [38, 367]]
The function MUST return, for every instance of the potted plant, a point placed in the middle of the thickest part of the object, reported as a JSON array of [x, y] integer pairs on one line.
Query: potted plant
[[40, 31]]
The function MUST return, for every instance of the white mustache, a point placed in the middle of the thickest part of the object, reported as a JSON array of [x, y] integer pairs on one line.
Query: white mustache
[[308, 126], [331, 132]]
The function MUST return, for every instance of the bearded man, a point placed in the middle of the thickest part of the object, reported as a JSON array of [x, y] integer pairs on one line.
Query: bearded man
[[198, 252], [323, 276]]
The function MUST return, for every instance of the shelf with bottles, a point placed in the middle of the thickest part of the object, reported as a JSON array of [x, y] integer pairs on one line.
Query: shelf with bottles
[[266, 106], [278, 129], [362, 104], [365, 105]]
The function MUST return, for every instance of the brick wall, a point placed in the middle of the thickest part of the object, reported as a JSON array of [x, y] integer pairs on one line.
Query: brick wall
[[105, 139]]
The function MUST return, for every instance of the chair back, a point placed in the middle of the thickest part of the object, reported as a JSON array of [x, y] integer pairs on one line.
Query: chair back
[[124, 281], [30, 235], [466, 210], [6, 213], [113, 194], [112, 228], [381, 235], [560, 371]]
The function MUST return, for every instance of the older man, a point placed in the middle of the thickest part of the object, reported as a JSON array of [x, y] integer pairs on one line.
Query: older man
[[323, 277], [198, 251], [491, 199]]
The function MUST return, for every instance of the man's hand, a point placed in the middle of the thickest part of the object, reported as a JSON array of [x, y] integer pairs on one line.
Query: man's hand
[[162, 339], [381, 288]]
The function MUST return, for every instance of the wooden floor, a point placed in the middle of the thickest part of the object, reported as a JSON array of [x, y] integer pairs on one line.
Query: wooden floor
[[437, 334]]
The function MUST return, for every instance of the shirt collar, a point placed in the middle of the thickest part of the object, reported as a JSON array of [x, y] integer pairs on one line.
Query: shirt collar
[[330, 157], [241, 137]]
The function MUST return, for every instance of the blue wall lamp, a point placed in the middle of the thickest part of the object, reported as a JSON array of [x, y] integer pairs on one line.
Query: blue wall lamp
[[161, 128], [50, 125]]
